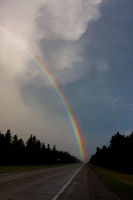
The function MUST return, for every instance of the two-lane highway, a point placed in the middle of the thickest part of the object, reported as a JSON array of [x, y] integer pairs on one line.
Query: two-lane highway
[[43, 184]]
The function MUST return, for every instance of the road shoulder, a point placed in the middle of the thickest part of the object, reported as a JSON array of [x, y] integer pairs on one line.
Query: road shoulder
[[99, 191]]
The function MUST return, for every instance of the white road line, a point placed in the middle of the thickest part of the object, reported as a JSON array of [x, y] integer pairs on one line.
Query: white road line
[[66, 185]]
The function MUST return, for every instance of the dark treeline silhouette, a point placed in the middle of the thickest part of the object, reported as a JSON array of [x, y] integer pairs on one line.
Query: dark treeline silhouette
[[14, 151], [118, 155]]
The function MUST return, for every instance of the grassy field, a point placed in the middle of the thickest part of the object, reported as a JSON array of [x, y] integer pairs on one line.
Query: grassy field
[[8, 169], [121, 184]]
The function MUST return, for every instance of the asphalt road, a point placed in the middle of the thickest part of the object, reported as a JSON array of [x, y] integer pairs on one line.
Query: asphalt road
[[43, 184]]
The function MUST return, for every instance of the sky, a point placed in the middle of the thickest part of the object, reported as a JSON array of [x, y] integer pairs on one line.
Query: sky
[[87, 45]]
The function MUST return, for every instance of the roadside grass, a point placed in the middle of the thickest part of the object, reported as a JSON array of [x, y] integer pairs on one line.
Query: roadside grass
[[120, 183], [9, 169]]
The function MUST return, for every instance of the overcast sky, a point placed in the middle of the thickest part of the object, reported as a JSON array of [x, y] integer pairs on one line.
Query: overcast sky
[[87, 45]]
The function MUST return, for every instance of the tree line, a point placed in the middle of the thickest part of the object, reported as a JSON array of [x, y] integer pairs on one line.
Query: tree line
[[118, 155], [13, 151]]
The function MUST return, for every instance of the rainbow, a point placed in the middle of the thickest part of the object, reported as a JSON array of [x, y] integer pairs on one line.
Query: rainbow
[[59, 92]]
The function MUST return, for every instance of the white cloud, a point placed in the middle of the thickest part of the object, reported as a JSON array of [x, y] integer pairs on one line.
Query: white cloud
[[69, 19], [65, 21]]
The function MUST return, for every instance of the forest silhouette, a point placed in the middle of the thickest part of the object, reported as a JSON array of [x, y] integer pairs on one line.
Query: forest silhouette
[[118, 155], [13, 151]]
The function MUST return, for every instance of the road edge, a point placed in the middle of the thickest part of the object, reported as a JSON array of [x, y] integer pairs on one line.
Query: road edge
[[67, 184]]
